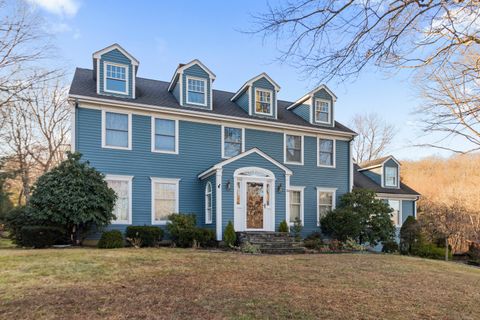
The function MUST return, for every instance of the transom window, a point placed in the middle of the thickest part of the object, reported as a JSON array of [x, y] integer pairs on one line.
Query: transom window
[[326, 203], [232, 142], [165, 135], [322, 111], [326, 152], [116, 130], [263, 101], [293, 149], [116, 78], [396, 215], [122, 187], [296, 205], [208, 202], [391, 176], [196, 93], [164, 199]]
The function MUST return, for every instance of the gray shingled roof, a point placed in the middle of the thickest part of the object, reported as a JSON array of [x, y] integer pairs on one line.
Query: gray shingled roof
[[361, 181], [155, 93]]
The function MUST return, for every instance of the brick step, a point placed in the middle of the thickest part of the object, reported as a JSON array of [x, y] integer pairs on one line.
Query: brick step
[[272, 242], [277, 244]]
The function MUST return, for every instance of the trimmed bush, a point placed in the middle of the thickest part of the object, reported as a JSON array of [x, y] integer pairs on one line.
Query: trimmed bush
[[206, 238], [42, 236], [390, 247], [18, 218], [230, 237], [314, 241], [111, 239], [145, 236], [283, 227], [431, 251], [410, 235], [182, 229]]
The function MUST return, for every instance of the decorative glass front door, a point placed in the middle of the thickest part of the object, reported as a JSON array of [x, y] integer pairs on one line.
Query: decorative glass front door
[[255, 205]]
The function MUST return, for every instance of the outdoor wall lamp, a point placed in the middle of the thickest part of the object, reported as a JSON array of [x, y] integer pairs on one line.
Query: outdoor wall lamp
[[228, 185], [279, 188]]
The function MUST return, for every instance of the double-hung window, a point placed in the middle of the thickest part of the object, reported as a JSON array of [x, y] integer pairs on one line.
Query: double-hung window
[[391, 177], [165, 135], [208, 203], [325, 202], [263, 101], [116, 78], [296, 204], [322, 111], [117, 129], [396, 213], [164, 199], [326, 152], [233, 143], [293, 149], [122, 185], [196, 91]]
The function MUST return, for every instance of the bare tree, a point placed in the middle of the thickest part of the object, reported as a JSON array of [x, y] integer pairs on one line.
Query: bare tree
[[374, 136]]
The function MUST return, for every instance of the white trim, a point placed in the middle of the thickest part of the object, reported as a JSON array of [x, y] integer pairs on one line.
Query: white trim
[[302, 203], [104, 131], [98, 76], [250, 101], [384, 174], [334, 161], [179, 71], [251, 81], [98, 54], [380, 164], [314, 108], [271, 102], [218, 206], [382, 195], [73, 127], [399, 221], [134, 77], [310, 95], [334, 199], [223, 139], [129, 180], [175, 182], [127, 77], [204, 80], [351, 167], [209, 184], [152, 137], [285, 149], [414, 209], [264, 125]]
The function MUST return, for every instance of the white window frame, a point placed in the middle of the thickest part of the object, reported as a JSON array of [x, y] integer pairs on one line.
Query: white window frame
[[209, 221], [334, 199], [271, 102], [104, 129], [126, 66], [223, 139], [302, 204], [175, 182], [396, 177], [285, 149], [399, 221], [315, 110], [204, 104], [334, 162], [153, 135], [129, 180]]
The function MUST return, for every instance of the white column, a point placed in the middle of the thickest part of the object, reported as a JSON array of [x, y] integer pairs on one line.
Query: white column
[[218, 188]]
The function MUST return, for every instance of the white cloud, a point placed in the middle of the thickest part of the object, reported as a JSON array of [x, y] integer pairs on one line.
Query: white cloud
[[59, 7]]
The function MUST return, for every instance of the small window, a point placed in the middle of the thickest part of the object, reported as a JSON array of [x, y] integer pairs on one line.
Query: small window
[[232, 142], [293, 149], [296, 206], [322, 111], [196, 91], [116, 78], [208, 202], [391, 177], [326, 152], [396, 214], [116, 126], [326, 203], [165, 135], [165, 199], [263, 101], [122, 187]]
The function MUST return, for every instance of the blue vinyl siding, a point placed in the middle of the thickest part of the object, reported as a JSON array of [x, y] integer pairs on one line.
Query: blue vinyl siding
[[263, 83], [375, 174], [408, 209], [303, 111], [242, 101], [323, 94], [196, 71], [176, 91], [116, 56]]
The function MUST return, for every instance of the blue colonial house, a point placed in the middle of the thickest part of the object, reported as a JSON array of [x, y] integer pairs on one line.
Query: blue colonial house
[[245, 156]]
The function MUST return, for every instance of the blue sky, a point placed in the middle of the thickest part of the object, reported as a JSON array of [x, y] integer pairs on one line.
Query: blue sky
[[161, 34]]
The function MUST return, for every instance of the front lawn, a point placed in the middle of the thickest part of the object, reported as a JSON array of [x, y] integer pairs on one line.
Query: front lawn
[[179, 283]]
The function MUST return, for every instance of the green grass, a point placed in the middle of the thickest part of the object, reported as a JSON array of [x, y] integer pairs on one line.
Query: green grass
[[6, 243], [83, 283]]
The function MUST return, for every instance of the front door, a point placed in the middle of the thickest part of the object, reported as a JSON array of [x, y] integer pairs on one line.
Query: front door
[[255, 205]]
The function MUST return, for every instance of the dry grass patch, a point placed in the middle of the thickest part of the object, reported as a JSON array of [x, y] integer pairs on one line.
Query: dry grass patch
[[178, 283]]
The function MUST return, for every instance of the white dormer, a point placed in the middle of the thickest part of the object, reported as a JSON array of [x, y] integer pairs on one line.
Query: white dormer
[[258, 96], [385, 171], [316, 107], [191, 85], [115, 71]]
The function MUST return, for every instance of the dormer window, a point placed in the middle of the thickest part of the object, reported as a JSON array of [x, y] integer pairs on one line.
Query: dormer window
[[391, 177], [116, 78], [322, 111], [196, 93], [263, 102]]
